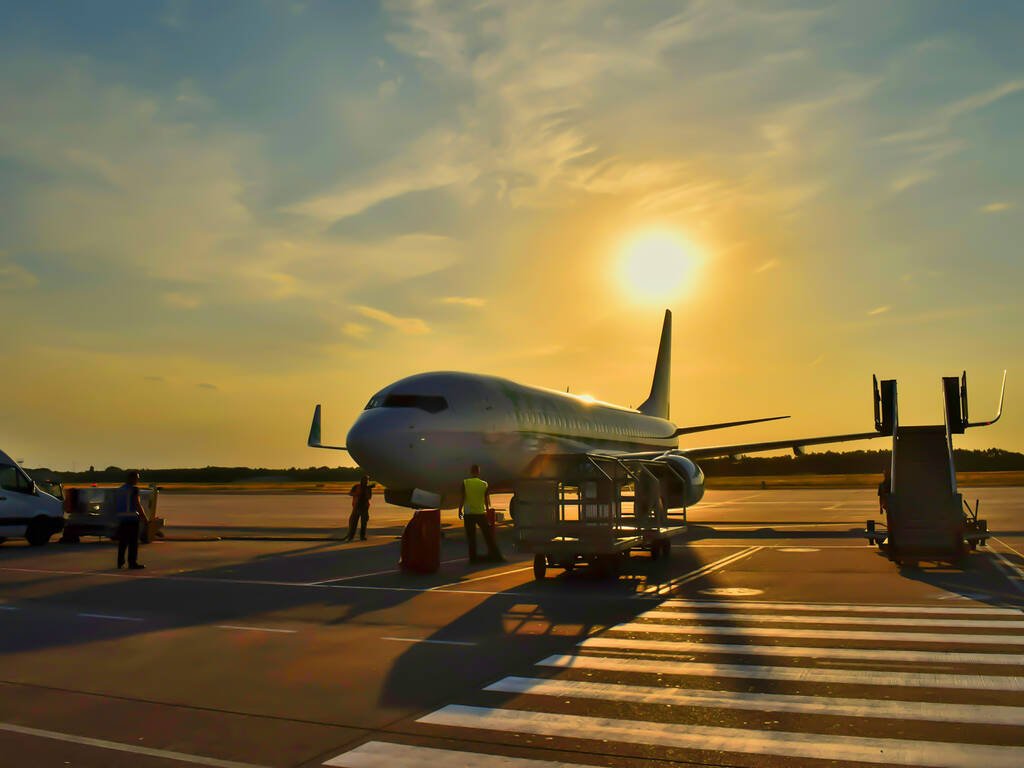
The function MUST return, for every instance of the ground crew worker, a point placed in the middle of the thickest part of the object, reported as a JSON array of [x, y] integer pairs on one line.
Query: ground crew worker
[[130, 517], [476, 500], [883, 493], [361, 494]]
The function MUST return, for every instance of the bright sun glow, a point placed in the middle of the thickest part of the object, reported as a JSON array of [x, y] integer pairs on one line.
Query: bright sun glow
[[658, 265]]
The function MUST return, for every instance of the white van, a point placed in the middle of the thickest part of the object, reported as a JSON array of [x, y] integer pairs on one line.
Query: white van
[[25, 509]]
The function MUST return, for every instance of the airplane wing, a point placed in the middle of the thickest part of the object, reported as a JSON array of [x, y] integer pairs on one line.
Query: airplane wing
[[718, 451]]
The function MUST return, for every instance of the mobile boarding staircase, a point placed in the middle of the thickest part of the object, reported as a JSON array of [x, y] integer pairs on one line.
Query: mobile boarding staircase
[[926, 516]]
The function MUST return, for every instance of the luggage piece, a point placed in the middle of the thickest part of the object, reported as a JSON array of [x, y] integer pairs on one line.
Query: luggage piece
[[421, 542]]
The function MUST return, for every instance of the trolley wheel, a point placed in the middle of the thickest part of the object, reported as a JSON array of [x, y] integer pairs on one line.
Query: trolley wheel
[[973, 544], [540, 566], [666, 549], [568, 565], [655, 550]]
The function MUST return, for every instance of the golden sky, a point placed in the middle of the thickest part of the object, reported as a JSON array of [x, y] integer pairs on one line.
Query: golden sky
[[217, 215]]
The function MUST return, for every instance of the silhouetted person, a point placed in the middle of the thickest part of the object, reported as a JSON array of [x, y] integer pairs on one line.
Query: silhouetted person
[[361, 494], [130, 516], [476, 500], [883, 493]]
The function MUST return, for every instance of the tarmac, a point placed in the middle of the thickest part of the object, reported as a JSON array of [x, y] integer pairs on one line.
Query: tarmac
[[773, 636]]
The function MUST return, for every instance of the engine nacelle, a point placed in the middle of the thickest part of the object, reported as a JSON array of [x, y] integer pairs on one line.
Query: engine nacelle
[[683, 485]]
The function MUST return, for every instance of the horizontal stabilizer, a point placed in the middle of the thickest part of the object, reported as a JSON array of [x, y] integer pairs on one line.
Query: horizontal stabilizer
[[723, 425], [314, 434]]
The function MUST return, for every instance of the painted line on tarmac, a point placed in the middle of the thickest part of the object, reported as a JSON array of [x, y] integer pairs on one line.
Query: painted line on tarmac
[[257, 629], [815, 675], [731, 740], [841, 607], [879, 620], [764, 702], [372, 573], [480, 578], [380, 754], [698, 573], [823, 634], [1013, 574], [811, 652], [1019, 554], [109, 616], [427, 641], [8, 607], [165, 754]]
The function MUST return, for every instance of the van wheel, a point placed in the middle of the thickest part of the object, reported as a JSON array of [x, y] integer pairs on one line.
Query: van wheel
[[38, 532], [540, 566]]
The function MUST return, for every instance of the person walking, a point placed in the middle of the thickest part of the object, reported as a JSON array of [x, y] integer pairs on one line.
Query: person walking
[[361, 494], [883, 493], [130, 516], [473, 506]]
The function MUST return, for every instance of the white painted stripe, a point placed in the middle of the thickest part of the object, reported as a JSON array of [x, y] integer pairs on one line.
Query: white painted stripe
[[257, 629], [481, 578], [380, 754], [8, 607], [429, 642], [789, 674], [841, 607], [876, 654], [888, 621], [765, 702], [349, 578], [108, 616], [826, 634], [1016, 552], [1014, 575], [699, 573], [181, 757], [716, 739]]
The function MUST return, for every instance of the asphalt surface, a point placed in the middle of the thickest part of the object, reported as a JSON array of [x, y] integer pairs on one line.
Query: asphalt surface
[[772, 636]]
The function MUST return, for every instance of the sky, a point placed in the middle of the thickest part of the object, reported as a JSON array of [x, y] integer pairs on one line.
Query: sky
[[215, 215]]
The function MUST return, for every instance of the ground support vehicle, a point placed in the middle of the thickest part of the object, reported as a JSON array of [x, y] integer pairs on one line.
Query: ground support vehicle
[[578, 509], [26, 510], [92, 512], [927, 519]]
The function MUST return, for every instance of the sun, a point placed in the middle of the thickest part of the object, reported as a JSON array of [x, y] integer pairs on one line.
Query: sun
[[658, 265]]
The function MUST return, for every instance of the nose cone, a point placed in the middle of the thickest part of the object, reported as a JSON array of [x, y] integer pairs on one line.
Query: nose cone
[[376, 441]]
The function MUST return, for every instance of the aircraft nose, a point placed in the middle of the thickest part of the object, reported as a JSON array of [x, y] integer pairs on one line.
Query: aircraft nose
[[374, 442]]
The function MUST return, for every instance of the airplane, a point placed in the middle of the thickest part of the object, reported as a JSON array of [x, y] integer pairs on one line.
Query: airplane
[[418, 436]]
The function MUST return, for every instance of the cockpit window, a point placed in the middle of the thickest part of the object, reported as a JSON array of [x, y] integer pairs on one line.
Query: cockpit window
[[428, 403]]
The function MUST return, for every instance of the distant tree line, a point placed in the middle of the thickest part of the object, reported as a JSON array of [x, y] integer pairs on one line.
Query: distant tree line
[[826, 463]]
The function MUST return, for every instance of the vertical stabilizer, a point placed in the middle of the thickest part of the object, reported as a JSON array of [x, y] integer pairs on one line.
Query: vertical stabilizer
[[656, 403]]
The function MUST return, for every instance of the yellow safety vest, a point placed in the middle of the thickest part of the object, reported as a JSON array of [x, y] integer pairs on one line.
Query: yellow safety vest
[[476, 491]]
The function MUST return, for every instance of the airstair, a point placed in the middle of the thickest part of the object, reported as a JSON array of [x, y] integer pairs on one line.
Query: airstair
[[926, 515]]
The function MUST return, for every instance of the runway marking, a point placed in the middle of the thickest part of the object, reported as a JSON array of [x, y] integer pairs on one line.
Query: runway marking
[[257, 629], [1013, 574], [480, 578], [797, 549], [842, 607], [815, 675], [731, 591], [372, 573], [428, 642], [717, 739], [698, 573], [1019, 554], [830, 634], [8, 607], [181, 757], [380, 754], [827, 652], [879, 620], [109, 616], [765, 702]]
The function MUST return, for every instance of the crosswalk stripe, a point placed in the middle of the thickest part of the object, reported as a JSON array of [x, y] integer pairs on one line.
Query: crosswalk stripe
[[734, 740], [790, 619], [842, 607], [879, 654], [765, 702], [791, 674], [382, 754], [829, 634]]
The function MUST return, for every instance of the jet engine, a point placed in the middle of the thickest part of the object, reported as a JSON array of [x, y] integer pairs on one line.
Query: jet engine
[[683, 485]]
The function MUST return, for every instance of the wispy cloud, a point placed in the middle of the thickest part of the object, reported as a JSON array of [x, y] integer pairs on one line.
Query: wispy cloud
[[770, 264], [206, 385], [466, 301], [878, 311], [998, 207], [15, 278], [413, 326], [355, 330], [179, 300]]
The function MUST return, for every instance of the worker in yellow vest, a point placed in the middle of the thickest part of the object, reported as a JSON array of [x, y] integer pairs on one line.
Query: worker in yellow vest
[[476, 500]]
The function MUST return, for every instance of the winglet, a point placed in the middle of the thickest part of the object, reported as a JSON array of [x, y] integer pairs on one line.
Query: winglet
[[657, 402], [723, 425], [314, 434], [999, 413]]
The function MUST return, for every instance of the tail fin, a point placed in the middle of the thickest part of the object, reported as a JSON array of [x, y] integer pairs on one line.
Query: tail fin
[[657, 402]]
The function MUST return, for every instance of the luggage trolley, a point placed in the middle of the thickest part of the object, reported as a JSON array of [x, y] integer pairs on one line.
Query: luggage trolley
[[569, 512], [651, 516]]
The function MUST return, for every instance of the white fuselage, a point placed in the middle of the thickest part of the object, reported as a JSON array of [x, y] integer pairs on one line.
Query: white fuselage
[[424, 431]]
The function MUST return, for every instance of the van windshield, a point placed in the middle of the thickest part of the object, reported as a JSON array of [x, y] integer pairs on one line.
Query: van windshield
[[13, 479]]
